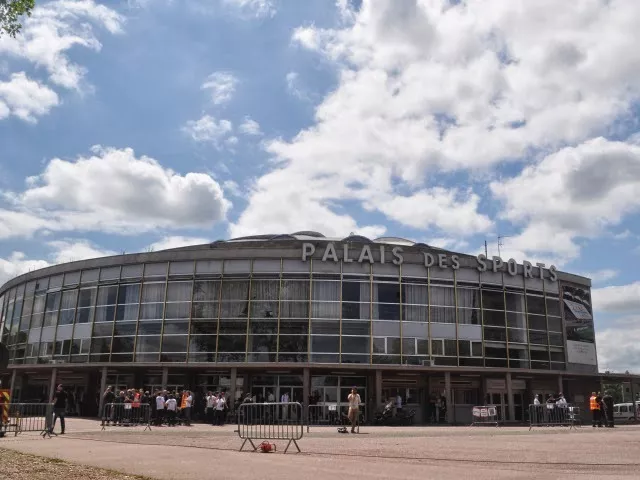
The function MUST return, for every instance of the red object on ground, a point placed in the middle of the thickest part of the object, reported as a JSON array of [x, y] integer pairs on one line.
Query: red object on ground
[[266, 447]]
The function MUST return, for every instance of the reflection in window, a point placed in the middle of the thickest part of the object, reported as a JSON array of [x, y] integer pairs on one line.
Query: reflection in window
[[206, 291]]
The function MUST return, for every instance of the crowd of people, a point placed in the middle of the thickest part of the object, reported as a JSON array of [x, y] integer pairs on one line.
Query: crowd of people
[[163, 407]]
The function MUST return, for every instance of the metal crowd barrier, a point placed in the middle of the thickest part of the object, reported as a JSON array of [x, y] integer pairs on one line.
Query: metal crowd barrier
[[26, 417], [332, 414], [551, 414], [270, 421], [485, 415], [127, 415]]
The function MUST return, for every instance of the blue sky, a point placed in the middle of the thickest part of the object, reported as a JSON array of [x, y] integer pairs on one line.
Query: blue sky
[[130, 125]]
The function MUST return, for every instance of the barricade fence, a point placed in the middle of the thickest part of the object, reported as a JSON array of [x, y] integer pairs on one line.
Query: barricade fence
[[27, 417], [551, 414], [126, 415], [332, 414], [270, 421], [485, 415]]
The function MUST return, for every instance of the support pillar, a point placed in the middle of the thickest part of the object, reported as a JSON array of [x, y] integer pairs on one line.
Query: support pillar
[[447, 395], [12, 385], [232, 388], [52, 383], [306, 391], [512, 407], [165, 377], [378, 389], [103, 388]]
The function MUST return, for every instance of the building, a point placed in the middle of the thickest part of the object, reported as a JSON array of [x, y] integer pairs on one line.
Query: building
[[305, 314]]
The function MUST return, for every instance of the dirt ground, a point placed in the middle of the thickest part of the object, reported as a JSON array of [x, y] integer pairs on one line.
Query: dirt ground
[[204, 451]]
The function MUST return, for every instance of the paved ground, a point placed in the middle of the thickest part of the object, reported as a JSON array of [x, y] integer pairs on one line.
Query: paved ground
[[204, 452]]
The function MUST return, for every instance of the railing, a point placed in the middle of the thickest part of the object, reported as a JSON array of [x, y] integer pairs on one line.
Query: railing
[[551, 415], [270, 421], [485, 415], [26, 417], [126, 415]]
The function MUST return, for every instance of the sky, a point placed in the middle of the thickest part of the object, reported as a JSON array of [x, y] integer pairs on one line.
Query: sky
[[138, 125]]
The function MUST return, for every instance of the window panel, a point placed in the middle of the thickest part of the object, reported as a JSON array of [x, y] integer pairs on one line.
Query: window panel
[[553, 307], [151, 311], [408, 346], [174, 343], [263, 343], [264, 309], [464, 347], [517, 336], [476, 349], [356, 291], [87, 297], [232, 343], [386, 311], [535, 305], [179, 291], [555, 324], [356, 311], [234, 309], [177, 310], [538, 338], [515, 302], [126, 312], [325, 310], [450, 348], [107, 295], [125, 328], [417, 330], [355, 328], [202, 343], [149, 328], [148, 344], [393, 345], [415, 294], [468, 316], [386, 292], [355, 344], [128, 294], [415, 313], [437, 347], [66, 317], [294, 309], [176, 328], [53, 302], [493, 317], [293, 343], [468, 297], [442, 296], [295, 290], [204, 328], [233, 327], [39, 304], [90, 276], [263, 327], [235, 290], [326, 291], [294, 327], [204, 310], [516, 320], [324, 344], [537, 322], [265, 290], [122, 345], [102, 329], [493, 299], [101, 345], [443, 315], [495, 334], [206, 291], [153, 292]]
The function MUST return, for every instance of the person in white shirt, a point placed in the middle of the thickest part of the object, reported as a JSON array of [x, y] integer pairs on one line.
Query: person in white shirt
[[536, 400], [284, 398], [187, 408], [209, 409], [172, 407], [354, 408], [159, 409], [398, 403], [220, 405]]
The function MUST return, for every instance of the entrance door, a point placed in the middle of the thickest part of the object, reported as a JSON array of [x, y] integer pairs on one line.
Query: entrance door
[[500, 400]]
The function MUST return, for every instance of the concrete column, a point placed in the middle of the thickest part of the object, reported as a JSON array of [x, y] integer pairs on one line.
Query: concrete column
[[165, 377], [103, 387], [52, 383], [512, 407], [12, 385], [378, 388], [447, 395], [306, 391], [232, 388]]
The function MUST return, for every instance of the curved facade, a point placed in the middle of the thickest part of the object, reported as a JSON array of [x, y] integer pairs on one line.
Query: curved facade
[[298, 301]]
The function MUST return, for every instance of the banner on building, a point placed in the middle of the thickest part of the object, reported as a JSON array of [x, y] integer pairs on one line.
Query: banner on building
[[578, 320]]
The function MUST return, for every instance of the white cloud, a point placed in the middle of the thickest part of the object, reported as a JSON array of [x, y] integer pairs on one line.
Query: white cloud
[[569, 195], [617, 299], [25, 98], [208, 129], [293, 86], [619, 348], [221, 86], [16, 264], [600, 276], [177, 242], [71, 250], [424, 90], [113, 191], [232, 187], [250, 127], [54, 29], [253, 8], [453, 244]]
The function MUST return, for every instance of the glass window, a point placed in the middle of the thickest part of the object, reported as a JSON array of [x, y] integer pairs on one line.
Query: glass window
[[325, 310], [295, 290], [153, 292], [53, 301], [494, 317], [69, 299], [535, 305], [517, 335], [408, 346], [553, 307], [516, 320], [294, 309], [468, 316], [386, 311], [450, 348], [149, 328], [206, 291], [181, 268], [132, 271], [515, 302], [177, 310], [415, 313], [495, 334], [356, 291], [442, 315], [127, 312], [84, 315], [129, 294], [107, 295], [293, 343], [180, 327], [179, 291], [39, 303], [324, 344], [386, 292], [235, 289], [437, 348], [468, 297], [122, 345], [538, 338], [415, 294], [326, 291], [105, 314], [355, 328], [464, 347], [90, 276], [265, 290], [174, 343], [555, 324], [229, 327], [204, 328], [148, 344], [204, 310], [393, 346], [151, 311], [442, 296], [232, 343], [202, 343], [476, 349], [156, 270], [125, 328], [537, 322], [493, 299], [87, 297], [355, 344]]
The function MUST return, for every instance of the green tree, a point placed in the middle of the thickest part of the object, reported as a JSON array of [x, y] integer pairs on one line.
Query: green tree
[[11, 12], [615, 389]]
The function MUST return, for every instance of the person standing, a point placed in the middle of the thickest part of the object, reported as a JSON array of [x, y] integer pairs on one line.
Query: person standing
[[354, 408], [209, 410], [594, 406], [172, 407], [284, 398], [59, 401], [188, 401], [220, 405], [160, 407], [607, 408]]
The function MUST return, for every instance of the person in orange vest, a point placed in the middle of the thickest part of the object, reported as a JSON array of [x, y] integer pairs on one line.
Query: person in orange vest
[[594, 406]]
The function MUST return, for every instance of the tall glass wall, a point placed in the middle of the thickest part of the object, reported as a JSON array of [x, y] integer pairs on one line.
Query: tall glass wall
[[282, 311]]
